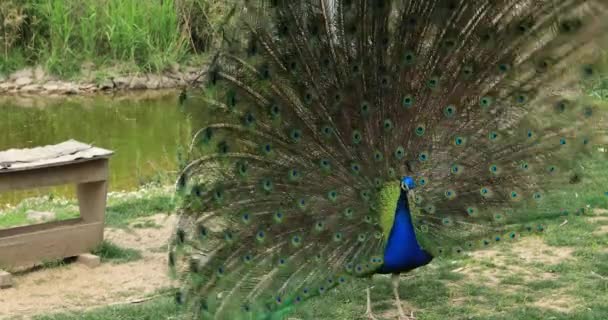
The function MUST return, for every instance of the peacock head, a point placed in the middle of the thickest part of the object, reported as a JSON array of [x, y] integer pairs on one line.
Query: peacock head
[[408, 183]]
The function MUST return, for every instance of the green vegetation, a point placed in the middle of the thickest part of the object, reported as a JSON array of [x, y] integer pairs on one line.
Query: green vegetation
[[109, 252], [123, 207], [160, 308], [122, 212], [17, 215], [137, 35], [561, 275], [568, 281]]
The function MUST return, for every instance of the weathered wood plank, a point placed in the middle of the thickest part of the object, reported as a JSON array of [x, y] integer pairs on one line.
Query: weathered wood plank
[[55, 243], [70, 162], [83, 172]]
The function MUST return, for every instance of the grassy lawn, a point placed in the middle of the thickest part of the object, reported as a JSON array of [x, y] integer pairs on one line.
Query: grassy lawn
[[161, 308], [560, 275], [122, 207]]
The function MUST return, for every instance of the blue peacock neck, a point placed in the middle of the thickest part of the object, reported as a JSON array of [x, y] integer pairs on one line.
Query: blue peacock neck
[[403, 252]]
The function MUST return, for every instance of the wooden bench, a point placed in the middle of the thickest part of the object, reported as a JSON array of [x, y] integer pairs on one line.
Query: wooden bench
[[60, 164]]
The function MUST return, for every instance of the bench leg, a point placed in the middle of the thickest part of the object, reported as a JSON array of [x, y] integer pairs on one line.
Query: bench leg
[[92, 200]]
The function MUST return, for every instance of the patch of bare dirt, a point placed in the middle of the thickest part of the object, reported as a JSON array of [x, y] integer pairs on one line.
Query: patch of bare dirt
[[558, 301], [601, 230], [513, 262], [77, 287], [601, 211]]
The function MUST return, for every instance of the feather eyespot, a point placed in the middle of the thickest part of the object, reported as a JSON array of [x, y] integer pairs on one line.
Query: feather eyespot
[[378, 156], [399, 153], [433, 83], [471, 211], [408, 101], [357, 137], [320, 226], [420, 129], [422, 181], [409, 58], [486, 102], [348, 212], [296, 135], [355, 168], [423, 156], [338, 236], [449, 111], [388, 125], [278, 217], [485, 192], [365, 108], [459, 141], [457, 169], [325, 164], [450, 194]]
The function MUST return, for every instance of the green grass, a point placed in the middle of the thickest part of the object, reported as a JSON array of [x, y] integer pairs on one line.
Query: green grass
[[109, 252], [440, 291], [17, 216], [121, 210], [145, 35], [122, 213], [161, 308], [504, 286]]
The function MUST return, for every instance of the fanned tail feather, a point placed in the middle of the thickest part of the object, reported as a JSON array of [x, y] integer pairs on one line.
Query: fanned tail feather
[[317, 106]]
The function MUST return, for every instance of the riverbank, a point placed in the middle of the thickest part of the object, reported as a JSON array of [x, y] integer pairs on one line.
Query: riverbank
[[79, 47], [36, 81]]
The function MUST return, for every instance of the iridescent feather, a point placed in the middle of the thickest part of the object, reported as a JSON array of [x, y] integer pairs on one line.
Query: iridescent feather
[[319, 108]]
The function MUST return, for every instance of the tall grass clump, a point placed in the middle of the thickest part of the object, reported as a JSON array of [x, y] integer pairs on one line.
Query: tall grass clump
[[147, 35], [143, 33]]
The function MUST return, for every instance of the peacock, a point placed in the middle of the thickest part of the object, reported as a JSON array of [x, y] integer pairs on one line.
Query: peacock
[[347, 138]]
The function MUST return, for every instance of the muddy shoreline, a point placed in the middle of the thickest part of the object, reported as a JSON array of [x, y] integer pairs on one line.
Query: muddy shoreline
[[34, 81]]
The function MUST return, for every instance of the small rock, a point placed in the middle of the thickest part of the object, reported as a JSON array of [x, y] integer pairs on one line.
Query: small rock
[[89, 260], [68, 88], [7, 86], [31, 88], [23, 81], [138, 84], [50, 87], [23, 73], [106, 85], [6, 280], [39, 73], [89, 87], [122, 82], [167, 82], [40, 216], [154, 82]]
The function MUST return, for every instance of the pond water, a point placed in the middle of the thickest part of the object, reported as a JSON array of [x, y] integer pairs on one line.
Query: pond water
[[146, 130]]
